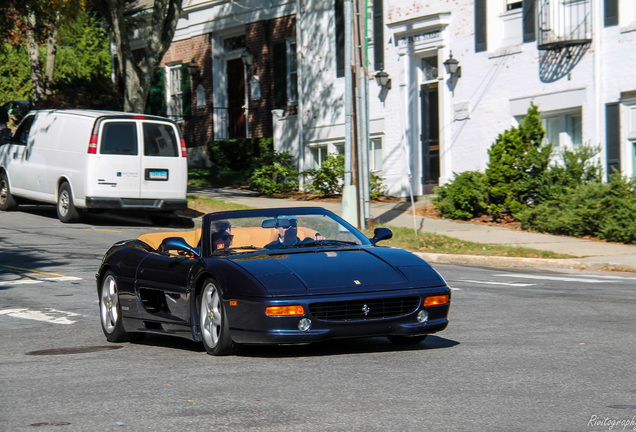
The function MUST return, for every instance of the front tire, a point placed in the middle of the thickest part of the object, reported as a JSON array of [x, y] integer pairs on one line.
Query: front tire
[[110, 310], [7, 202], [215, 329], [66, 210]]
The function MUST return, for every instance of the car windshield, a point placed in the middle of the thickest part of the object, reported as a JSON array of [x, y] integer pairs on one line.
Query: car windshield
[[280, 230]]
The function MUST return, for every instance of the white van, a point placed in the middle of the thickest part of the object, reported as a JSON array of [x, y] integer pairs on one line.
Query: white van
[[82, 159]]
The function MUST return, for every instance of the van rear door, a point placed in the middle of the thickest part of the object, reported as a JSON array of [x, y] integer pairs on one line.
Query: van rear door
[[164, 169], [117, 170]]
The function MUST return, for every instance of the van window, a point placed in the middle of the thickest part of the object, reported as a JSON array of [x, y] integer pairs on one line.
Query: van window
[[21, 135], [119, 138], [160, 140]]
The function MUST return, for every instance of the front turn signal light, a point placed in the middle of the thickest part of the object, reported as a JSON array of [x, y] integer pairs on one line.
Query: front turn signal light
[[436, 300], [295, 310]]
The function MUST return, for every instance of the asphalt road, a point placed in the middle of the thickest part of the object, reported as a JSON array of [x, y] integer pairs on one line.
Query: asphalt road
[[525, 351]]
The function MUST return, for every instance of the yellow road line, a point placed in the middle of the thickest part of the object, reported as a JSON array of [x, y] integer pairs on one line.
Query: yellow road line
[[32, 271]]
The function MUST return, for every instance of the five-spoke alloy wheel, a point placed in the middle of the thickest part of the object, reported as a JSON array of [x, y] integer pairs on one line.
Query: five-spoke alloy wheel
[[215, 333]]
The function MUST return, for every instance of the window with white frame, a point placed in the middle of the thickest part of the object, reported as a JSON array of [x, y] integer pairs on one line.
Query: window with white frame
[[512, 23], [319, 155], [174, 93], [292, 73], [375, 154], [563, 131]]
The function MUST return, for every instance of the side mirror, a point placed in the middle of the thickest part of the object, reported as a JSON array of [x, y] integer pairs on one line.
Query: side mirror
[[381, 233], [178, 244]]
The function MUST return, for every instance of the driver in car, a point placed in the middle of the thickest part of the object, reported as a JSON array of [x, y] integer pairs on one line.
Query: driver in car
[[287, 227]]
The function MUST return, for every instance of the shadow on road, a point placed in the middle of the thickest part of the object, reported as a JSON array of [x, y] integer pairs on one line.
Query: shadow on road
[[107, 219], [327, 348]]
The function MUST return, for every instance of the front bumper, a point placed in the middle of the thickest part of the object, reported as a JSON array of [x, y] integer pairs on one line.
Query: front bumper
[[250, 325]]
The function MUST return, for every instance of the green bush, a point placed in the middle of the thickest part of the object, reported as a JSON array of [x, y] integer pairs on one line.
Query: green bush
[[604, 210], [376, 186], [464, 197], [241, 154], [277, 176], [328, 179]]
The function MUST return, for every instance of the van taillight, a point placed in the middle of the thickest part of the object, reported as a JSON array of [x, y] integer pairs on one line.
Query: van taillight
[[92, 144], [184, 152]]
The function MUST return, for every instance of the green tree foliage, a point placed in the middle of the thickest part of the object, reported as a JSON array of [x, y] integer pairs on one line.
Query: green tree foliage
[[517, 162], [83, 68], [464, 198]]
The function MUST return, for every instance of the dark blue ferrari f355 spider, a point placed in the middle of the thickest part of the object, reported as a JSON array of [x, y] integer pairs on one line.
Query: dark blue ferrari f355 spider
[[269, 276]]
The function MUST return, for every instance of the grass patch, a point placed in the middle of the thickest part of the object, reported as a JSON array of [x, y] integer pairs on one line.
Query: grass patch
[[198, 206], [435, 243]]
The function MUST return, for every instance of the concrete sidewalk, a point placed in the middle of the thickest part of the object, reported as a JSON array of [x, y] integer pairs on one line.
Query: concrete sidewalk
[[590, 254]]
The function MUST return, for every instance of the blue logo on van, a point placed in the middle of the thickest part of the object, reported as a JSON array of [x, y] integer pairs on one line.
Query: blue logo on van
[[118, 174]]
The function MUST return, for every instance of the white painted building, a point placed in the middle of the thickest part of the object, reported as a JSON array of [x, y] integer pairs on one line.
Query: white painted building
[[572, 58]]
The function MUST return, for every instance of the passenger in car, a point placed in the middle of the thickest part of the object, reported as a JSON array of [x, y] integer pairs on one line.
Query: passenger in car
[[221, 235], [287, 227]]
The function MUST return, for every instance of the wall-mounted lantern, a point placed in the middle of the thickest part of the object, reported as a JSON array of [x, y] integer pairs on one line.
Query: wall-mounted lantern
[[383, 80], [255, 88], [452, 67]]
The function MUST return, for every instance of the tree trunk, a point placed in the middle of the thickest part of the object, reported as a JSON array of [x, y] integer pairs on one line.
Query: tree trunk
[[137, 75], [51, 52], [33, 47]]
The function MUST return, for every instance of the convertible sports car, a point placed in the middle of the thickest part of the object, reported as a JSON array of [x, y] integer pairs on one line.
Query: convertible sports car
[[274, 276]]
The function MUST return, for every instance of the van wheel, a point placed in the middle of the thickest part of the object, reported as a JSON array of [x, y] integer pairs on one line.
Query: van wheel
[[7, 202], [66, 211]]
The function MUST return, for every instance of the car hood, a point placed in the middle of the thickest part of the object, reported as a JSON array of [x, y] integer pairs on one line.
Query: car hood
[[320, 271]]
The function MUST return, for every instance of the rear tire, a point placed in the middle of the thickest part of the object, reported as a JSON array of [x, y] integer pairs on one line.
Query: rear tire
[[7, 202], [66, 211], [215, 329]]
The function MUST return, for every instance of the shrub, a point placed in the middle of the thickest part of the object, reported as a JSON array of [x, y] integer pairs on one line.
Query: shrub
[[328, 179], [517, 163], [241, 154], [463, 198], [278, 176]]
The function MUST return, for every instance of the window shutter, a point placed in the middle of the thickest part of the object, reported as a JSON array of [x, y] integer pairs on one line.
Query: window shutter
[[480, 25], [340, 38], [529, 33], [186, 92], [612, 137], [611, 12], [378, 34], [280, 74]]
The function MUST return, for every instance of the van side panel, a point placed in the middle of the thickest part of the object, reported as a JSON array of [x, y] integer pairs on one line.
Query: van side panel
[[66, 155]]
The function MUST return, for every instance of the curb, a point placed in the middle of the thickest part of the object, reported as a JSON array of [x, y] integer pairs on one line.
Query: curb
[[495, 261]]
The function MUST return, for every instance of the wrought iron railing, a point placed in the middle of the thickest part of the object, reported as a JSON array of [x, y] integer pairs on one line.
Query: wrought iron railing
[[564, 23]]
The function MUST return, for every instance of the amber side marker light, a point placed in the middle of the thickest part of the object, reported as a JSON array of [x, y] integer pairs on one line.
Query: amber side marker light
[[436, 300], [295, 310]]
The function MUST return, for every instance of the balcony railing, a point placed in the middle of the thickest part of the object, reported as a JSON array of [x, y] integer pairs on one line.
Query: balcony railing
[[564, 23]]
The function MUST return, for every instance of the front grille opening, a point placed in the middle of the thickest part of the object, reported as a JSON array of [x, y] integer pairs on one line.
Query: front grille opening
[[364, 309]]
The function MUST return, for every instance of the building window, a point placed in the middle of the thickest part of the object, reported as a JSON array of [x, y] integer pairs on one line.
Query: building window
[[375, 154], [175, 93], [292, 73], [319, 155], [563, 131], [610, 9]]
